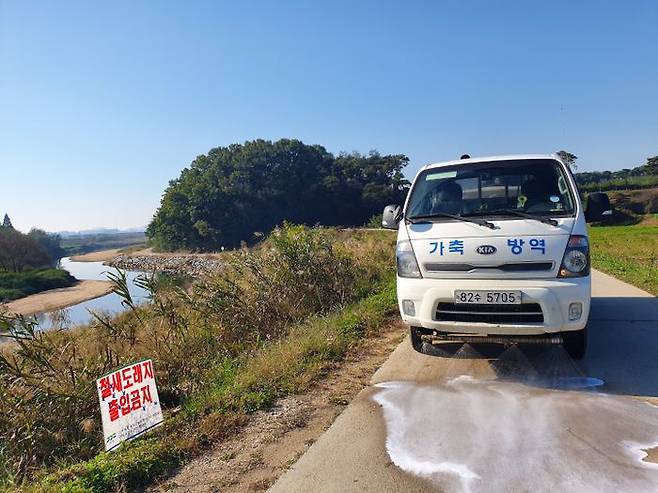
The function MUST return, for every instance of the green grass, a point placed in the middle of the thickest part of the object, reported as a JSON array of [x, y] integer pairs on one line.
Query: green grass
[[628, 252], [14, 285], [238, 388], [630, 183]]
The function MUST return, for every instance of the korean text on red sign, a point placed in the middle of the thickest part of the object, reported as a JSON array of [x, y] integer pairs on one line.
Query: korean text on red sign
[[129, 403]]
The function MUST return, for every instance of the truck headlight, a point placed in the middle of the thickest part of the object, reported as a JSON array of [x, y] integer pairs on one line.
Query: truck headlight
[[406, 260], [575, 262]]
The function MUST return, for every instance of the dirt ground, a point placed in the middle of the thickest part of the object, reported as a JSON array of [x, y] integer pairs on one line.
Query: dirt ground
[[56, 299], [107, 255], [101, 256], [273, 440], [149, 251]]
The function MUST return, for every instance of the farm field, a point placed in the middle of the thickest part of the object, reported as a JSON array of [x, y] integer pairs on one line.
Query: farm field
[[628, 252]]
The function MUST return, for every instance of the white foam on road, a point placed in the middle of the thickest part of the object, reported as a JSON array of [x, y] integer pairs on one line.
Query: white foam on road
[[489, 436]]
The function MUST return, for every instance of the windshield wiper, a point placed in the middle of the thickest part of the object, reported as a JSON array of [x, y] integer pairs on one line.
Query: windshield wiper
[[514, 212], [480, 222]]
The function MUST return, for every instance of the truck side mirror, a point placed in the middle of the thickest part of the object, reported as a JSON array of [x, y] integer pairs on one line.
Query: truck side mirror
[[598, 206], [391, 216]]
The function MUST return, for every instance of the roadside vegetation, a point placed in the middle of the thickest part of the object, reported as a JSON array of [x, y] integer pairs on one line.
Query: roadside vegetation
[[628, 252], [270, 324]]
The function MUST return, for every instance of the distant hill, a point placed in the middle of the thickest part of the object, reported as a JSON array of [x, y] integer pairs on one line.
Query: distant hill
[[100, 231], [85, 242]]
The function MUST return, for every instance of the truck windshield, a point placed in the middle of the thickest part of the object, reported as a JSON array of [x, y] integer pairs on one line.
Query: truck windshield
[[497, 188]]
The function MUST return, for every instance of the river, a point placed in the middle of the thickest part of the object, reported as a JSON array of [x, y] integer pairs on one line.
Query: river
[[80, 314]]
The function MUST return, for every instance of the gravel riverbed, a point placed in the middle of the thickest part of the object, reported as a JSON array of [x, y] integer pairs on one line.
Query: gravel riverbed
[[190, 265]]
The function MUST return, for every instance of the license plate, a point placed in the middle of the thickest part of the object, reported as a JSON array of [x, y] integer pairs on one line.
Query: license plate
[[488, 297]]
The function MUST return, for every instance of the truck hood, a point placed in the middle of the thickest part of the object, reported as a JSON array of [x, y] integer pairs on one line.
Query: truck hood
[[515, 249]]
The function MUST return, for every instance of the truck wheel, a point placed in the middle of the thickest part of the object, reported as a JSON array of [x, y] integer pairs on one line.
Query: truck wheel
[[416, 341], [575, 342]]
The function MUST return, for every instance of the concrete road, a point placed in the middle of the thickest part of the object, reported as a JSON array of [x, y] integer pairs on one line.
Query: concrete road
[[483, 419]]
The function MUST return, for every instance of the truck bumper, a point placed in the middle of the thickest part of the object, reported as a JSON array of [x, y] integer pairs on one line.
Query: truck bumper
[[553, 296]]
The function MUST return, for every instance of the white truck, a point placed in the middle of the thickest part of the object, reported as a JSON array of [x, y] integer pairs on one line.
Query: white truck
[[495, 249]]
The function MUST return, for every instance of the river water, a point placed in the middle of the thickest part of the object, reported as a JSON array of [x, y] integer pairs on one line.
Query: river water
[[80, 314]]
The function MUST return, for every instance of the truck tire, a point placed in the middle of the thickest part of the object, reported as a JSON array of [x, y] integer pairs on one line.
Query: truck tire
[[575, 343], [416, 341]]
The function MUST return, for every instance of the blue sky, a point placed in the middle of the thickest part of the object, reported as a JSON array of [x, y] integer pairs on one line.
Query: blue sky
[[101, 104]]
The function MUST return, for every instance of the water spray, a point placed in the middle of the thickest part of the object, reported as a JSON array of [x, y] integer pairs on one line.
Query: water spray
[[439, 337]]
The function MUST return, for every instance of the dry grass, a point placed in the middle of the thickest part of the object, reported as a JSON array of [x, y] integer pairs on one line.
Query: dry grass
[[217, 361]]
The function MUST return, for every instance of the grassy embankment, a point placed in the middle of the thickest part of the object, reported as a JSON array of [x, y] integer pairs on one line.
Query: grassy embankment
[[628, 252], [274, 322], [14, 285]]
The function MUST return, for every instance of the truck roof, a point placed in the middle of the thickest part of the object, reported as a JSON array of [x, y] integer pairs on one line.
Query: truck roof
[[511, 157]]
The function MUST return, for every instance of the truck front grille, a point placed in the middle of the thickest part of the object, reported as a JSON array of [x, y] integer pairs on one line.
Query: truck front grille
[[525, 313], [508, 267]]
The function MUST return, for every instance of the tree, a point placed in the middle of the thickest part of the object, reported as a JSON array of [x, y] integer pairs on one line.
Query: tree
[[651, 168], [6, 222], [18, 252], [50, 242], [226, 196], [568, 159]]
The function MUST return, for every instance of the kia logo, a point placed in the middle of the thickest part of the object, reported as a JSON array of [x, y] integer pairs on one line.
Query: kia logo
[[486, 249]]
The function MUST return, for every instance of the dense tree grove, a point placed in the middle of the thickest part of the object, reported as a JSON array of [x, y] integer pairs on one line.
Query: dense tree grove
[[19, 252], [592, 178], [23, 258], [231, 193], [49, 241]]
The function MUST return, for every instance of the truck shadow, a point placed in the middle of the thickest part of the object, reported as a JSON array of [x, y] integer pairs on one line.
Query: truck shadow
[[622, 352]]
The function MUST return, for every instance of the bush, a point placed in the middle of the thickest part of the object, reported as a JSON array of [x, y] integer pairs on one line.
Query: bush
[[14, 285], [297, 272], [375, 221], [7, 294]]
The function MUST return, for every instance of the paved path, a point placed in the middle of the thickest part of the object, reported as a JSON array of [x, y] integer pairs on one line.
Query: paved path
[[421, 427]]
